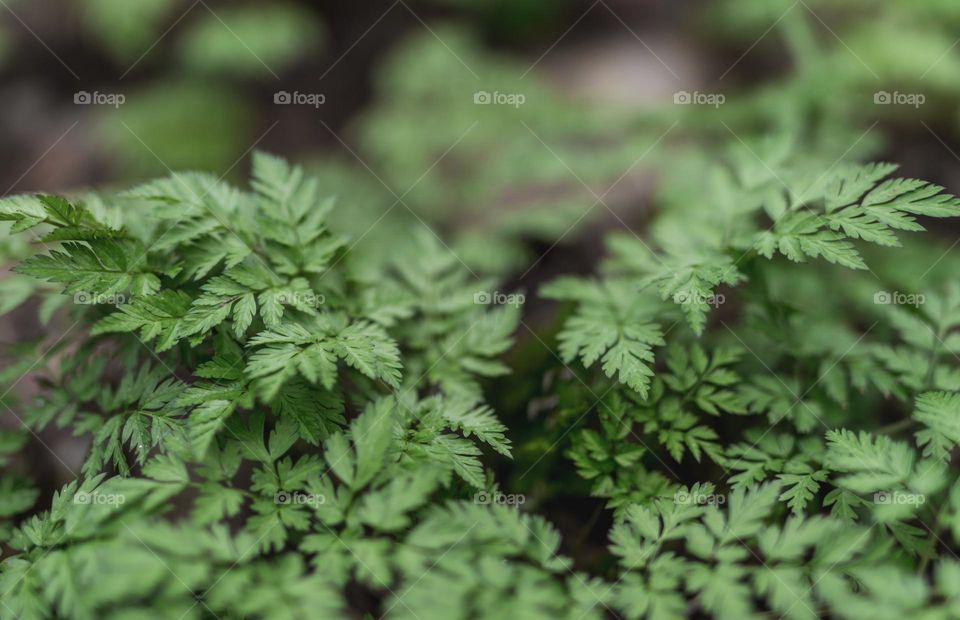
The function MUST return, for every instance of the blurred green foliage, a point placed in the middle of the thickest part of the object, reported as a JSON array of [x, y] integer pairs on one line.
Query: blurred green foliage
[[147, 133], [258, 40]]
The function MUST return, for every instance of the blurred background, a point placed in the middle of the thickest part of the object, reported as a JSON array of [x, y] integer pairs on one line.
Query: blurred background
[[381, 98], [517, 130]]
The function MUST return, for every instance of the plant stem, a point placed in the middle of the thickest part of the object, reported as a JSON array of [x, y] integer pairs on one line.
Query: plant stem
[[585, 532], [932, 361], [896, 427], [928, 554]]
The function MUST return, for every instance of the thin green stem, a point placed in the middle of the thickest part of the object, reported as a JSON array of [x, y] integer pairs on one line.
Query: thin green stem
[[896, 427]]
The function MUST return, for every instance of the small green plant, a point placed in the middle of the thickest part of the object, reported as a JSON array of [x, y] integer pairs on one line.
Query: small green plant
[[741, 453], [228, 352]]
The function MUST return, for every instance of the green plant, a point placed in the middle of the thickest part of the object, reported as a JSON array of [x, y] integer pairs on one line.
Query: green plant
[[318, 422], [753, 407], [765, 394], [228, 351]]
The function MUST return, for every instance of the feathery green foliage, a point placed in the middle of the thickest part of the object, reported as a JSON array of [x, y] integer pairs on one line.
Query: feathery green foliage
[[751, 407]]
